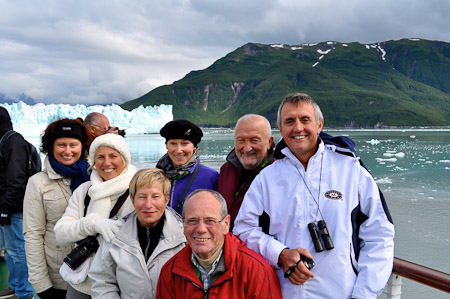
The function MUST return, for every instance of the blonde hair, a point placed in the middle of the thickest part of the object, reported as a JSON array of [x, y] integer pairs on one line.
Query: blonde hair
[[147, 177]]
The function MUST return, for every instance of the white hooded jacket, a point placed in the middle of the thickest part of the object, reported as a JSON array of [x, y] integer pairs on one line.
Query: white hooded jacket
[[349, 202]]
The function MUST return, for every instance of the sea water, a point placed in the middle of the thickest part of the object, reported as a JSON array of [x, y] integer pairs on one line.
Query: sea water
[[411, 167]]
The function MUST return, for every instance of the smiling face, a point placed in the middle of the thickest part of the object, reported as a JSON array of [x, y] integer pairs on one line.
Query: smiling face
[[252, 141], [179, 150], [149, 203], [108, 162], [204, 239], [300, 129], [67, 150]]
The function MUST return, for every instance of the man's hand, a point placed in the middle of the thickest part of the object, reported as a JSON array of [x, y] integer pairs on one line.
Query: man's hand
[[288, 258], [5, 219]]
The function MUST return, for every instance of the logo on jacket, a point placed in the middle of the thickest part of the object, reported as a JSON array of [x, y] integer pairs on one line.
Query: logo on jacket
[[333, 194]]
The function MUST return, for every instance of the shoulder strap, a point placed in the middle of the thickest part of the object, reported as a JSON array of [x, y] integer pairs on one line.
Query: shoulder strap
[[116, 207], [6, 136], [186, 189], [87, 200], [119, 204]]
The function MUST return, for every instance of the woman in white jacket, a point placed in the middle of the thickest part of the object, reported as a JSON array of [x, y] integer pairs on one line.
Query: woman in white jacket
[[129, 266], [66, 143], [110, 178]]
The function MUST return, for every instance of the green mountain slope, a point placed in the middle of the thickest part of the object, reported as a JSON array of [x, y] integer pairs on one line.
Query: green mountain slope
[[393, 83]]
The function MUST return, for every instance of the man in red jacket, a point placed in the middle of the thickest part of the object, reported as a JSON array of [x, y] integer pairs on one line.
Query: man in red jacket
[[253, 150], [215, 263]]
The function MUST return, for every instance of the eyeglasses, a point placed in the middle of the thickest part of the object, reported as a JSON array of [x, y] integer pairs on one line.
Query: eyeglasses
[[209, 222]]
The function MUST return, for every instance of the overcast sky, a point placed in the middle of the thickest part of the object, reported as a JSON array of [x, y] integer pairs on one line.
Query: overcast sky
[[112, 51]]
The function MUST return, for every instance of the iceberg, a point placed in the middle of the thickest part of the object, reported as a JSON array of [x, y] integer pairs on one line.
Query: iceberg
[[31, 120]]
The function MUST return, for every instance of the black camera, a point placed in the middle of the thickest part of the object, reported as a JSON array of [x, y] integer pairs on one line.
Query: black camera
[[81, 252], [119, 131], [323, 232]]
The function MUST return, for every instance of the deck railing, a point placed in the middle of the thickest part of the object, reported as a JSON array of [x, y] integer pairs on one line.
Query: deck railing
[[421, 274]]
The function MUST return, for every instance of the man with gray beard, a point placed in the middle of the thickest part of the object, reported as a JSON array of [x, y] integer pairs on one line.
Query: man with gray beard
[[253, 150]]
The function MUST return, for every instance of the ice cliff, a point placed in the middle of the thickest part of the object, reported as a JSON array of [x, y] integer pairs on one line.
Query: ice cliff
[[32, 120]]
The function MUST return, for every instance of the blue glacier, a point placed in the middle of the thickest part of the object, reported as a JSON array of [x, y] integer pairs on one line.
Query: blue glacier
[[31, 120]]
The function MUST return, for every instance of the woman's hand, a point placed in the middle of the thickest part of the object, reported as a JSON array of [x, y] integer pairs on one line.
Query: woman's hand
[[107, 228]]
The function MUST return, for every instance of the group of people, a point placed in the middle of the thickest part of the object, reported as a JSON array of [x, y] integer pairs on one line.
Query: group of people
[[302, 218]]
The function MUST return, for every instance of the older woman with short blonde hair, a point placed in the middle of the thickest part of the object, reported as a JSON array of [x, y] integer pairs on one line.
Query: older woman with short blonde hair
[[129, 266]]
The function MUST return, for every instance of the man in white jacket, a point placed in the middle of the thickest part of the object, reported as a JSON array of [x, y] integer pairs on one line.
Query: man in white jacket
[[308, 185]]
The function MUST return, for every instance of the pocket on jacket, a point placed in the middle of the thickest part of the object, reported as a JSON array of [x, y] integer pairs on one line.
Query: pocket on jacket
[[54, 206]]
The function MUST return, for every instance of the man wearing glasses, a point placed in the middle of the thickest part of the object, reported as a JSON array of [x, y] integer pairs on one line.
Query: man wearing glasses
[[215, 263], [99, 124]]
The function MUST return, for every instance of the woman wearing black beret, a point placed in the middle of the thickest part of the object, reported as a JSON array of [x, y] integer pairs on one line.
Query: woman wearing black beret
[[182, 165]]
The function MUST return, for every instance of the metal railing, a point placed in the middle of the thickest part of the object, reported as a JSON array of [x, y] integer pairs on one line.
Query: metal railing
[[421, 274]]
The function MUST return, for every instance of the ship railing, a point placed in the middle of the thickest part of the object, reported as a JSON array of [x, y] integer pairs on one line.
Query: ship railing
[[418, 273]]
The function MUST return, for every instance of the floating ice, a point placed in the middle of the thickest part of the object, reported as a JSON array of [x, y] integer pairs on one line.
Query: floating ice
[[444, 161], [400, 155], [383, 181], [412, 136], [32, 120], [386, 160], [373, 141]]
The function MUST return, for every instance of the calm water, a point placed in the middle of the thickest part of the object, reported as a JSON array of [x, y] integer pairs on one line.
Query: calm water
[[412, 168]]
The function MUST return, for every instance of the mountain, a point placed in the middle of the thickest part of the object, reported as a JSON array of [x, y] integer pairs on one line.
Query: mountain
[[392, 83]]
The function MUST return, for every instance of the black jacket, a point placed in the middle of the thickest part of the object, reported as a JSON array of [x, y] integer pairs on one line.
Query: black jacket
[[13, 165]]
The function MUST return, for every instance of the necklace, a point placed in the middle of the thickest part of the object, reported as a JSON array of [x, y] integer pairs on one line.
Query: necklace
[[309, 190], [63, 191]]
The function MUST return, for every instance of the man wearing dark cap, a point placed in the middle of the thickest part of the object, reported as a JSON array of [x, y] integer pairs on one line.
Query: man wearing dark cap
[[182, 165], [13, 180]]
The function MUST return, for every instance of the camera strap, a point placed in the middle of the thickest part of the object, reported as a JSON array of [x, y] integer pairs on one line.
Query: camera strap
[[186, 188], [116, 207]]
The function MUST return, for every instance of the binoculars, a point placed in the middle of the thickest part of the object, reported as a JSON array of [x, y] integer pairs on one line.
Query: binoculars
[[323, 232]]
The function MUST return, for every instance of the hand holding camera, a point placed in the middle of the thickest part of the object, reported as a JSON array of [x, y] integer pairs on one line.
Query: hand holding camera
[[309, 263], [116, 130], [107, 228]]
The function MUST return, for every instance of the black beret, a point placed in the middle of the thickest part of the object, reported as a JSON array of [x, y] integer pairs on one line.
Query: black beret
[[182, 129]]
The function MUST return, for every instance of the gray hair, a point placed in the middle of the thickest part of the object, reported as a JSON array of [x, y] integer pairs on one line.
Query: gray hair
[[256, 117], [217, 195], [296, 98], [93, 118]]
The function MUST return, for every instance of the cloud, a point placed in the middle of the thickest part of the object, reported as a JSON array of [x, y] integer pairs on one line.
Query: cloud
[[98, 52]]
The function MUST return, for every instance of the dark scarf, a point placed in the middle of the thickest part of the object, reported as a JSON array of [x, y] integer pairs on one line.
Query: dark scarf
[[78, 171], [174, 173]]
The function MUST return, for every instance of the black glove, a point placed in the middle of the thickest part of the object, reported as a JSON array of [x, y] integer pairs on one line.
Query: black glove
[[52, 293], [5, 219]]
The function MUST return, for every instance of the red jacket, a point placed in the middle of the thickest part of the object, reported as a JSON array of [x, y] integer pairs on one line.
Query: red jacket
[[247, 275], [228, 184]]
